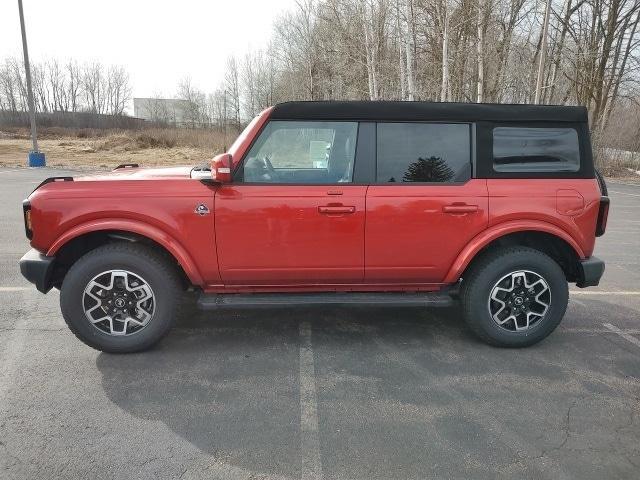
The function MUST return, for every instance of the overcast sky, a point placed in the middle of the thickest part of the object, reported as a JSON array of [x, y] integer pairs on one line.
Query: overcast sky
[[159, 42]]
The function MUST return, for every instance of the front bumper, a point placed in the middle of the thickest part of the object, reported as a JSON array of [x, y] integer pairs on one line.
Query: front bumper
[[590, 272], [38, 269]]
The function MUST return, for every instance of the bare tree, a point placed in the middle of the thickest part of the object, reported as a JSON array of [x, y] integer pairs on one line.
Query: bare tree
[[9, 90], [40, 87], [409, 50], [118, 91], [94, 86], [194, 103], [543, 52], [443, 13], [481, 25], [17, 72], [232, 88], [57, 85], [74, 84]]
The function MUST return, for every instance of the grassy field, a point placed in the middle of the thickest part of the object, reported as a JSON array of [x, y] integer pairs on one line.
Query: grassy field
[[103, 149]]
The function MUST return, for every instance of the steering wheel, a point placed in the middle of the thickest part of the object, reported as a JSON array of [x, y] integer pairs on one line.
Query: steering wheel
[[269, 167]]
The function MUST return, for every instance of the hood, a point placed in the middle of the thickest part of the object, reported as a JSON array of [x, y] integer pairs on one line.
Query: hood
[[137, 173]]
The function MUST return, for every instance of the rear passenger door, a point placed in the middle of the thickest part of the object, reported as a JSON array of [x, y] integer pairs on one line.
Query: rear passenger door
[[424, 206]]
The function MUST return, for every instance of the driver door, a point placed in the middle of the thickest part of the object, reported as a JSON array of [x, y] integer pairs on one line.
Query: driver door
[[292, 215]]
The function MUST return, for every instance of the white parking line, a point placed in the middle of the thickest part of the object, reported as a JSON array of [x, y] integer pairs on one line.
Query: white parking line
[[25, 289], [582, 304], [624, 335], [629, 331], [614, 182], [598, 292], [625, 193], [309, 439]]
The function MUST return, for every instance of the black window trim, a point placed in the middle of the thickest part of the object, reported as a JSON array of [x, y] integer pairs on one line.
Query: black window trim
[[472, 156], [485, 151]]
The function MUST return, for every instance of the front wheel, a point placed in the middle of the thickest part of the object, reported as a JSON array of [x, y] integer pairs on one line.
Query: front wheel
[[514, 297], [120, 297]]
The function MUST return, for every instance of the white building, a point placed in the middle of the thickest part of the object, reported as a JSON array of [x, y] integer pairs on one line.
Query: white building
[[166, 110]]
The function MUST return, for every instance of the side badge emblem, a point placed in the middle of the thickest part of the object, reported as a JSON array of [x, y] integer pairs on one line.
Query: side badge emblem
[[202, 209]]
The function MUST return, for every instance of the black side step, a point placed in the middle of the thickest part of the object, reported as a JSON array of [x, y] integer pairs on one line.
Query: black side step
[[214, 301]]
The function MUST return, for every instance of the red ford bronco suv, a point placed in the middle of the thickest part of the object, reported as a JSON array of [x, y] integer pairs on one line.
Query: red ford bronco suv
[[325, 203]]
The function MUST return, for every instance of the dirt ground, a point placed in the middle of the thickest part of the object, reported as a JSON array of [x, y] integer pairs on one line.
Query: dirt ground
[[98, 153]]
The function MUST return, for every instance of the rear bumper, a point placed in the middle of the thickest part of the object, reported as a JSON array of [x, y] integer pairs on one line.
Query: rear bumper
[[38, 269], [590, 271]]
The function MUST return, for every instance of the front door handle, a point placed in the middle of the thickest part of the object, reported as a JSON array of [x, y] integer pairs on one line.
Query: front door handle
[[336, 209], [459, 208]]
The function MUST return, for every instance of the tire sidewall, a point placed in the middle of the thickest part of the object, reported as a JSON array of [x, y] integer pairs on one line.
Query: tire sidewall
[[78, 277], [479, 294]]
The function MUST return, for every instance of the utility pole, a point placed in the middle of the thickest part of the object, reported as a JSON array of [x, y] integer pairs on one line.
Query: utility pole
[[36, 158], [543, 53]]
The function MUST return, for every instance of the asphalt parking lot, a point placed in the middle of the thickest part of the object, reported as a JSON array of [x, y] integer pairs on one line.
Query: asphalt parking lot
[[334, 394]]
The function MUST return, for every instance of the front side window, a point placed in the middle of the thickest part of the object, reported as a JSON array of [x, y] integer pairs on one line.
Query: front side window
[[423, 152], [302, 152], [535, 149]]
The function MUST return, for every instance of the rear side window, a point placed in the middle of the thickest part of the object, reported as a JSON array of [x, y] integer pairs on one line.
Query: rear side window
[[529, 149], [423, 152]]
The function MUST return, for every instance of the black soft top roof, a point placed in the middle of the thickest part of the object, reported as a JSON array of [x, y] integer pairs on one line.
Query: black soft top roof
[[407, 111]]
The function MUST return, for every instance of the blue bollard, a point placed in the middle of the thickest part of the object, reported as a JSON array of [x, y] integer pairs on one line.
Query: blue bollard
[[36, 159]]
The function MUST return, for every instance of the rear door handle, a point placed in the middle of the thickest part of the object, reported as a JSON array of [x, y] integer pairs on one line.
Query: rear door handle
[[336, 209], [460, 208]]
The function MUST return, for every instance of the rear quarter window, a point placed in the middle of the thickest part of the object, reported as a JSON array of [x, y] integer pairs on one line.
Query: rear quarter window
[[535, 149]]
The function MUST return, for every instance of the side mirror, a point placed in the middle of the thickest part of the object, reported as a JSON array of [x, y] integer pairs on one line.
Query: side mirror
[[221, 168]]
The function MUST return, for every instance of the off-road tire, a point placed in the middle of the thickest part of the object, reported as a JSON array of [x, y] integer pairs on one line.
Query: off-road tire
[[141, 260], [481, 277]]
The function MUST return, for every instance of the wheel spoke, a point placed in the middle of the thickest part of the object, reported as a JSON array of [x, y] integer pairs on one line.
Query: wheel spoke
[[119, 332], [101, 319]]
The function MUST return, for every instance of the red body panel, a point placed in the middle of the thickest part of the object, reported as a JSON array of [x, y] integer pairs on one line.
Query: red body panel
[[415, 232], [275, 237], [569, 204], [552, 206], [162, 209], [283, 234]]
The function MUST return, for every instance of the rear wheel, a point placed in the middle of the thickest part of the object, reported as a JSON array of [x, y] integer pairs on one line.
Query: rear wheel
[[120, 298], [514, 297]]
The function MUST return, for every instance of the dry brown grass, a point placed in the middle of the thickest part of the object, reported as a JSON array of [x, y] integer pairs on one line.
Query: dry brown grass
[[616, 163], [89, 148]]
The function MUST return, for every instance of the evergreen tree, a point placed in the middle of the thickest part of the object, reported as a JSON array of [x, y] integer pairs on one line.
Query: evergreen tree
[[432, 169]]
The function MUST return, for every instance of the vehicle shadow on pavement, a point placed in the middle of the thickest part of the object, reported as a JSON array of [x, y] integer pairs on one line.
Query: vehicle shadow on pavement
[[408, 391], [228, 383]]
